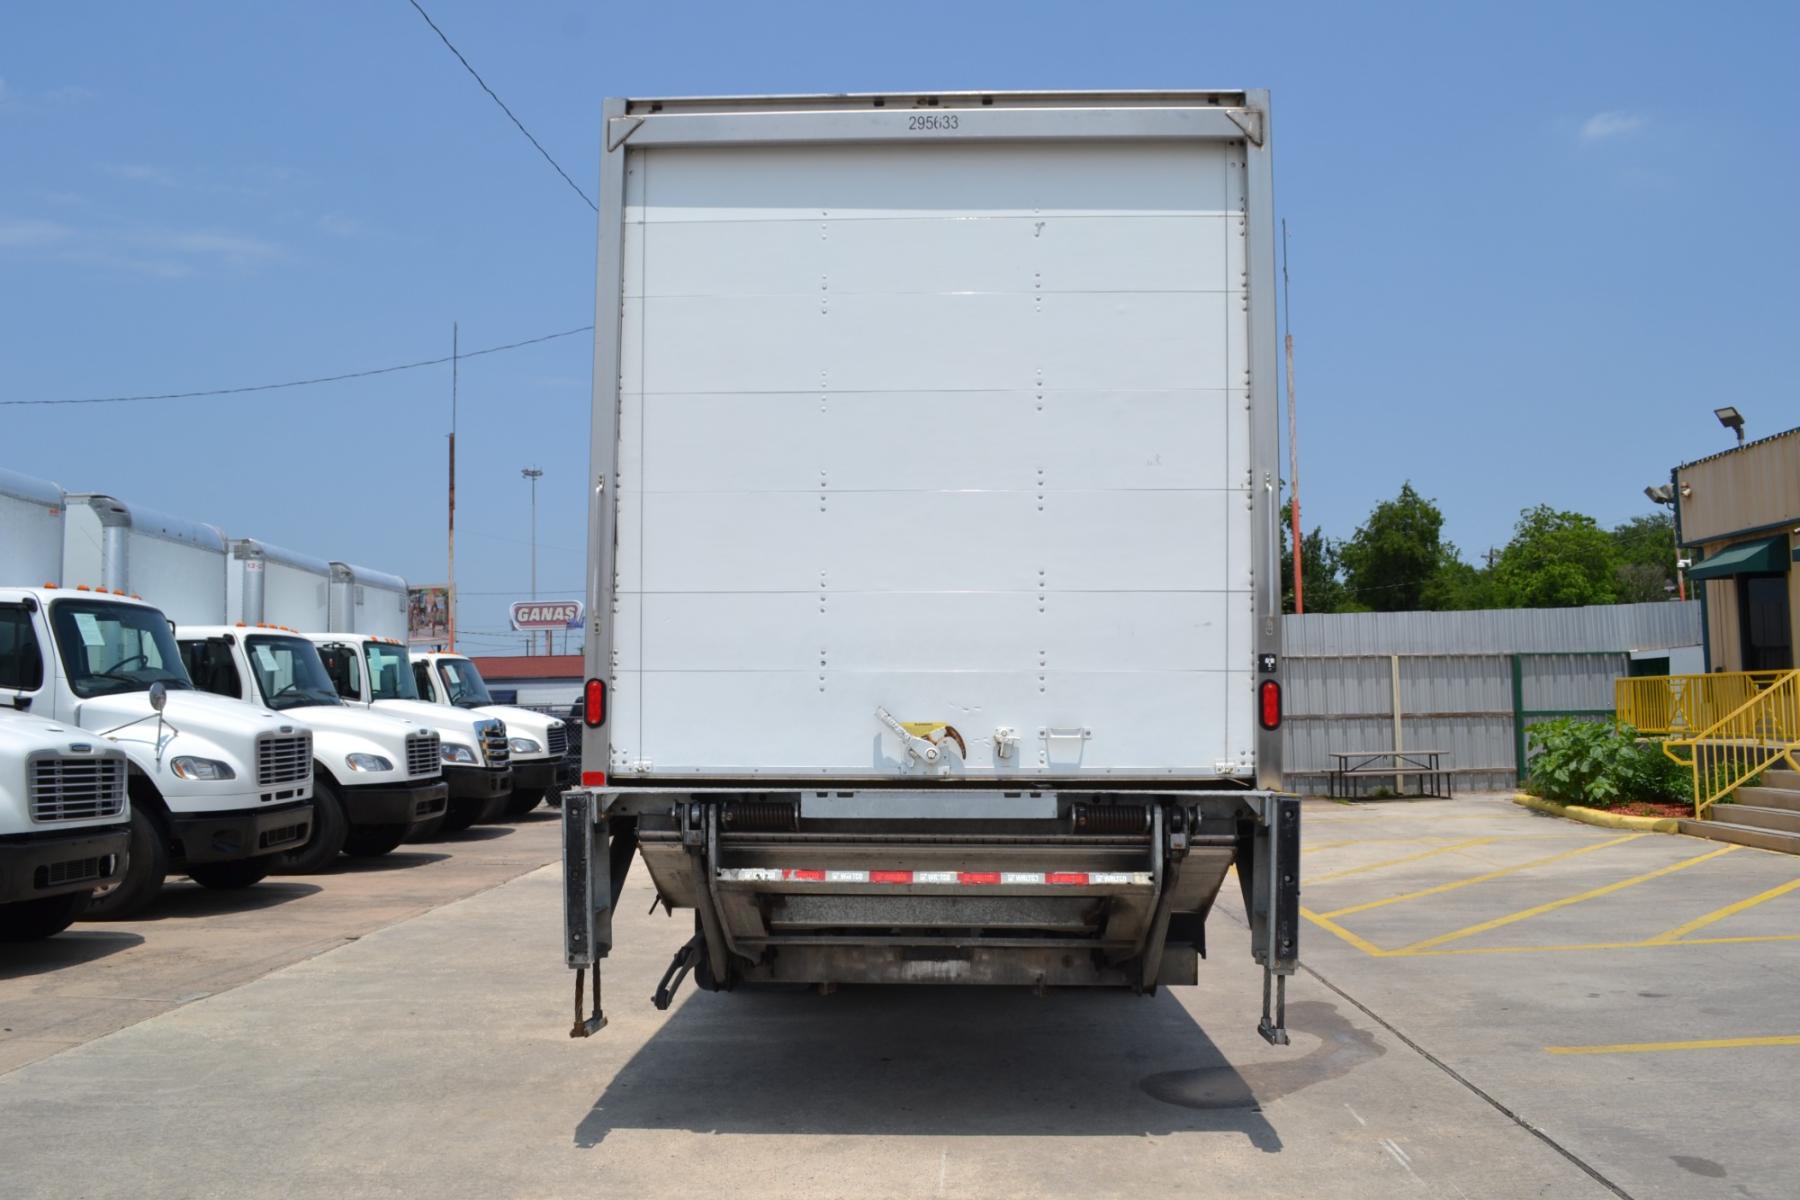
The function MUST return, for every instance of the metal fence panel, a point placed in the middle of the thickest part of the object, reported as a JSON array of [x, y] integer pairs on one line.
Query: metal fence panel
[[1456, 680]]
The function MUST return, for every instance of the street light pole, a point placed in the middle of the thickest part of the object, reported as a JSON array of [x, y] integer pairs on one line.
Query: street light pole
[[534, 474]]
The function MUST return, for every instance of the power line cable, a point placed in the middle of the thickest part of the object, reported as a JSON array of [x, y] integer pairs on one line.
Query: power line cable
[[294, 383], [497, 100]]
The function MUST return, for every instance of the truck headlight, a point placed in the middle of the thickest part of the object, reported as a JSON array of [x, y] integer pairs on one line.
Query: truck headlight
[[459, 754], [369, 762], [523, 745], [201, 768]]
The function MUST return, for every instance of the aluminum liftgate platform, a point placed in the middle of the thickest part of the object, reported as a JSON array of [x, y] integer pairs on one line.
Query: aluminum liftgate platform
[[933, 594], [1027, 888]]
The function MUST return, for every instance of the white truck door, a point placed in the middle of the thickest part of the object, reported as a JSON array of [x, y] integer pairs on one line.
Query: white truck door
[[954, 431]]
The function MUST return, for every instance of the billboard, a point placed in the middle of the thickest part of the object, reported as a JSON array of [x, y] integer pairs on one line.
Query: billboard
[[428, 614], [546, 614]]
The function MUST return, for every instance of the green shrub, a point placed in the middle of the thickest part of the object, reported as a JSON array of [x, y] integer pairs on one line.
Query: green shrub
[[1600, 764]]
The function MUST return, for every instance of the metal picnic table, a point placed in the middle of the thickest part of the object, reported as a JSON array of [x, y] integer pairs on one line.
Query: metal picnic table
[[1354, 765]]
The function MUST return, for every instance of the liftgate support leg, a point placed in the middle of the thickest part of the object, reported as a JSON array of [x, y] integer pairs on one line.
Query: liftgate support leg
[[1276, 935], [587, 900]]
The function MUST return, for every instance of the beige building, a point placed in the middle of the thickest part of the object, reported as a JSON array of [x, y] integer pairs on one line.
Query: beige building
[[1737, 516]]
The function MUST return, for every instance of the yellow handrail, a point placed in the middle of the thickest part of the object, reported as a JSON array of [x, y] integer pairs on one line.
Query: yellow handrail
[[1743, 743], [1685, 703]]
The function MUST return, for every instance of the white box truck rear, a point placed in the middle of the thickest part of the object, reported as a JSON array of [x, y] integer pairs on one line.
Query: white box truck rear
[[933, 588]]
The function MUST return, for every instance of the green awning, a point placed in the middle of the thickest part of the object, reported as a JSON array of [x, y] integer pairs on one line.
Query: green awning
[[1746, 558]]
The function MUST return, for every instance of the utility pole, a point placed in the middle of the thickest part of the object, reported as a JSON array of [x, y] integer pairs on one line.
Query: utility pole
[[534, 474], [451, 587], [1293, 428]]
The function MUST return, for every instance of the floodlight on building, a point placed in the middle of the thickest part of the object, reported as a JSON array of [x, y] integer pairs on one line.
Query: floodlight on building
[[1731, 419]]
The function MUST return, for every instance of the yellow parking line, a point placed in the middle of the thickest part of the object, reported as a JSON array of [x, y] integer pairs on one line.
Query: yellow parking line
[[1311, 849], [1651, 1047], [1552, 906], [1644, 945], [1483, 878], [1394, 862], [1730, 910], [1374, 951], [1330, 926]]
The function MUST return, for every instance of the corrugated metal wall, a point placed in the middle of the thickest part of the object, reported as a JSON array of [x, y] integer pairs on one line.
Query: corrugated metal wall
[[1454, 676]]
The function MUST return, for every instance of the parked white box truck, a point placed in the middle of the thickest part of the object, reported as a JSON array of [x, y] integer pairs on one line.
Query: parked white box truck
[[377, 778], [218, 788], [543, 759], [933, 558], [365, 601], [64, 819], [179, 565], [375, 673], [31, 528]]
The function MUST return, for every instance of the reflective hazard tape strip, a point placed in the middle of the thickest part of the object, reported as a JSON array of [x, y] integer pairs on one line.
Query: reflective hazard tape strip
[[939, 878]]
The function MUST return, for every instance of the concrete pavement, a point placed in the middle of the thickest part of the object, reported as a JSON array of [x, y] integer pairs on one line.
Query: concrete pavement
[[1454, 951]]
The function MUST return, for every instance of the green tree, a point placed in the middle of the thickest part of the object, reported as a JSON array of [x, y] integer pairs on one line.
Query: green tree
[[1391, 560], [1646, 547], [1322, 576], [1457, 586], [1557, 560]]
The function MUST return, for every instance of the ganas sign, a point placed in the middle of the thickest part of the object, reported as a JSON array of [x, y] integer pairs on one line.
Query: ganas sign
[[546, 614]]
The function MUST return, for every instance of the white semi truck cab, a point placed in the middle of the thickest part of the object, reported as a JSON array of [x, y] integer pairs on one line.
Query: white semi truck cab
[[218, 787], [542, 759], [64, 819], [377, 777], [375, 673]]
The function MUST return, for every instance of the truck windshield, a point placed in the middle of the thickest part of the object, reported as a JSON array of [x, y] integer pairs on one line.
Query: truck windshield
[[110, 648], [390, 674], [463, 683], [288, 672]]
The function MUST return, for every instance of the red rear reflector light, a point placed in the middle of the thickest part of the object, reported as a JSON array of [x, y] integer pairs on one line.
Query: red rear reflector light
[[593, 779], [1269, 704], [593, 704]]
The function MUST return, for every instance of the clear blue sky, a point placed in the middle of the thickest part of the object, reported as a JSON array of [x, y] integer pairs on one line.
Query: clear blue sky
[[1533, 245]]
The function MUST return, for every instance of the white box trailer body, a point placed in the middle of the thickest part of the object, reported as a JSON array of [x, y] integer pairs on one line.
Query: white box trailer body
[[934, 449], [266, 583], [366, 602], [31, 529], [175, 564]]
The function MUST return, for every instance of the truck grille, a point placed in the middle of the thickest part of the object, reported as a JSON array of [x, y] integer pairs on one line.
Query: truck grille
[[423, 756], [283, 759], [494, 746], [558, 740], [75, 870], [76, 789]]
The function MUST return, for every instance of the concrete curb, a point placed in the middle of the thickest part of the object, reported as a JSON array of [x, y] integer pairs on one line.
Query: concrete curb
[[1595, 816]]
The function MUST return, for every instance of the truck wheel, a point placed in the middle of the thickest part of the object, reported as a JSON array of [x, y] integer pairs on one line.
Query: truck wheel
[[30, 920], [371, 841], [329, 829], [229, 876], [146, 863], [522, 801]]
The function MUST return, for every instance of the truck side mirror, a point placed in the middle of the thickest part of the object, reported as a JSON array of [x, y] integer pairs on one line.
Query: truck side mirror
[[159, 695]]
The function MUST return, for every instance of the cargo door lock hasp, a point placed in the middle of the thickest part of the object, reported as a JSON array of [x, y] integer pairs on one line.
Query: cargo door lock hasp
[[924, 740]]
